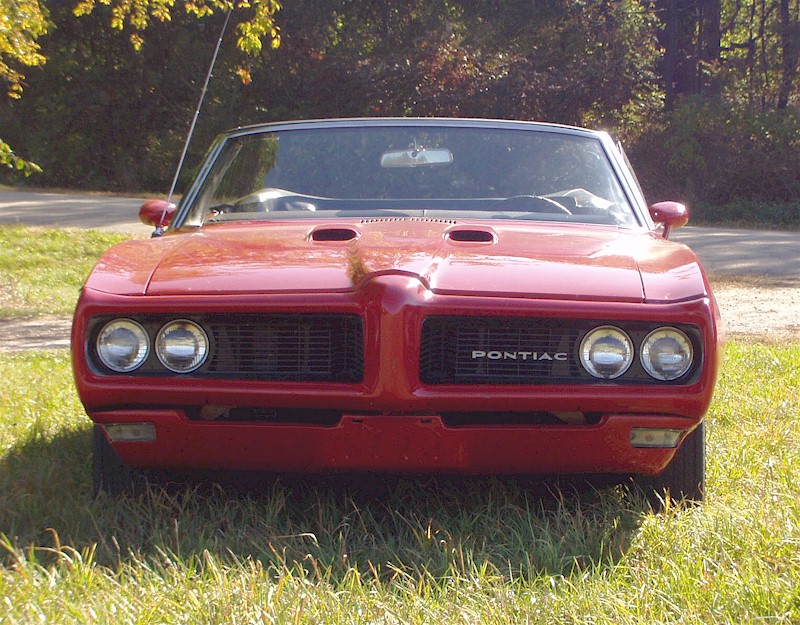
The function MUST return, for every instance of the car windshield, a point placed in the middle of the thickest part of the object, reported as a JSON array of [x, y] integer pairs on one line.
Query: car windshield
[[411, 171]]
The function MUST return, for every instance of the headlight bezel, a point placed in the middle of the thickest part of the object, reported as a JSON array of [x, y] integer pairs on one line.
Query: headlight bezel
[[123, 323], [597, 334], [152, 325], [637, 332], [666, 332], [201, 337]]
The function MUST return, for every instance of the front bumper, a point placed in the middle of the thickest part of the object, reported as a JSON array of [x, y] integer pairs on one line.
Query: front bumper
[[391, 420], [416, 444]]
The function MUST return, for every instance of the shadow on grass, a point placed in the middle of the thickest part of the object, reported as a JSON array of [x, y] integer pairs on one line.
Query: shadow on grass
[[379, 526]]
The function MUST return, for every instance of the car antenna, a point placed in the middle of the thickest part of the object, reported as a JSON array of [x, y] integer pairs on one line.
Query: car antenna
[[160, 228]]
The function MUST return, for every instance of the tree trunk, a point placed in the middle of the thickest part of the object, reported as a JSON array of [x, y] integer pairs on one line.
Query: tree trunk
[[789, 53], [708, 70]]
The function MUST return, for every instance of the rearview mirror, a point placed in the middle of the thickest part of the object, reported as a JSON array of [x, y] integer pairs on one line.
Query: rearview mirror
[[416, 158]]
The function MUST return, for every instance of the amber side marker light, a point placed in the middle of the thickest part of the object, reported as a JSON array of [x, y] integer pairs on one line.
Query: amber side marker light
[[131, 432], [655, 438]]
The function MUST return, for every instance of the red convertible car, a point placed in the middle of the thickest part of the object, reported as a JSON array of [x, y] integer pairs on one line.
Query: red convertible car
[[416, 296]]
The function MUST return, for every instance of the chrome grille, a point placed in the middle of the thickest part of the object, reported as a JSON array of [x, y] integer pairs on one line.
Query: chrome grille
[[518, 351]]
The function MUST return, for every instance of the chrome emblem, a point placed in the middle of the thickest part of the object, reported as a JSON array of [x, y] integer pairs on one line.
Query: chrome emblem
[[498, 355]]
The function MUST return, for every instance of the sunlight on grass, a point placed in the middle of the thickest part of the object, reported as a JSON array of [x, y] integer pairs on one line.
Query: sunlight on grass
[[43, 269], [425, 551]]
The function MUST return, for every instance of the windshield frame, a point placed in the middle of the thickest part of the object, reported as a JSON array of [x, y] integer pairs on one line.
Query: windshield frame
[[625, 179]]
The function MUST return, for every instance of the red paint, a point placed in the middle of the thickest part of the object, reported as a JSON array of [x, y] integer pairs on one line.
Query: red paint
[[573, 262], [156, 213], [670, 215], [418, 444], [393, 274]]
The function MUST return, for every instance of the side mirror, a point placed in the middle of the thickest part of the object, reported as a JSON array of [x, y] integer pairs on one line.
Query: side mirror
[[670, 214], [156, 213]]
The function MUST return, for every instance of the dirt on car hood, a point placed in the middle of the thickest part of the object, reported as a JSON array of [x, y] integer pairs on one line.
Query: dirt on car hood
[[537, 260]]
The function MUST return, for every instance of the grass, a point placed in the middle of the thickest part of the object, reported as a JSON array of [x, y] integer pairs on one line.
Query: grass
[[43, 269], [423, 551], [751, 214]]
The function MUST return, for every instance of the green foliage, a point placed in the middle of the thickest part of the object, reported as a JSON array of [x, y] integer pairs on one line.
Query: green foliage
[[138, 15], [748, 214], [422, 551], [117, 120], [11, 160], [42, 270], [567, 61], [760, 69], [122, 116], [576, 62], [127, 95], [22, 22], [261, 25], [715, 154]]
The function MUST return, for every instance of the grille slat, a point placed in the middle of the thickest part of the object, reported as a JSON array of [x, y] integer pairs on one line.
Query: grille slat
[[288, 347]]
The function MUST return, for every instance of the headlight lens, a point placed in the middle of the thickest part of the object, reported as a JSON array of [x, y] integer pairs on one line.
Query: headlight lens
[[606, 352], [182, 346], [122, 345], [667, 354]]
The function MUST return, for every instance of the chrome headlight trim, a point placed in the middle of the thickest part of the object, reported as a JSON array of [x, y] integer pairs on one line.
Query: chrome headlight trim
[[122, 345], [667, 354], [182, 346], [606, 352]]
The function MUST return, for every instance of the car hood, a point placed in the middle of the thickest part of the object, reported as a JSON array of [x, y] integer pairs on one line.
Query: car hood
[[511, 259]]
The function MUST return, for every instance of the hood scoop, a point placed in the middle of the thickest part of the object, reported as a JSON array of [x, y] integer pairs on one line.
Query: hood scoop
[[327, 234], [472, 235]]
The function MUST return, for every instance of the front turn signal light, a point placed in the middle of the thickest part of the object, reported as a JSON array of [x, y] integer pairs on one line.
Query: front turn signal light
[[131, 432], [655, 438]]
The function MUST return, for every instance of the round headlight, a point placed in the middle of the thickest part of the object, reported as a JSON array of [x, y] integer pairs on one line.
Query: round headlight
[[606, 352], [667, 354], [182, 346], [122, 345]]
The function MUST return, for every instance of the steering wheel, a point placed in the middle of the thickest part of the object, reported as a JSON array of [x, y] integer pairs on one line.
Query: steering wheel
[[532, 204]]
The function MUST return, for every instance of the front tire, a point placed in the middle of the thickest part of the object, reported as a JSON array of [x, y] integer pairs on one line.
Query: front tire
[[683, 479], [111, 474]]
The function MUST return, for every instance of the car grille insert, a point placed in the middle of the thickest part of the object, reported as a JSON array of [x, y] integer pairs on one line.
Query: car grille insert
[[306, 347], [456, 350], [498, 350]]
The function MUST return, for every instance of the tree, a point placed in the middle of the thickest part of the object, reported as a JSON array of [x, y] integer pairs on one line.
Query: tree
[[691, 42], [138, 15], [121, 117], [575, 61], [22, 22], [762, 52], [790, 50]]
